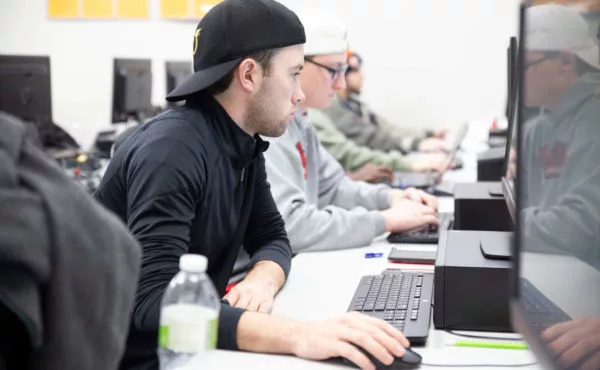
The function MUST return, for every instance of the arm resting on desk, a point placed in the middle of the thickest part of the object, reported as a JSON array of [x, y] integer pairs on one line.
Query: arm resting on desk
[[336, 337]]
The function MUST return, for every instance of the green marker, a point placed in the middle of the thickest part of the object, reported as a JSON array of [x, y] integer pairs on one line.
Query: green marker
[[478, 344]]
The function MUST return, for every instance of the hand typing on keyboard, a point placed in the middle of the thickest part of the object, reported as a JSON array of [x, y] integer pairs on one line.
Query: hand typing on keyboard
[[339, 337], [406, 214], [413, 194], [576, 342], [430, 162]]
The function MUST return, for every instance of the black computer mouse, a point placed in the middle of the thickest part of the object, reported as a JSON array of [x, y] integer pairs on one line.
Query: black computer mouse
[[410, 360]]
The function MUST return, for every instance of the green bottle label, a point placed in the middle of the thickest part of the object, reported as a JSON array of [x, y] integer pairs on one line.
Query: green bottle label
[[185, 328], [163, 336]]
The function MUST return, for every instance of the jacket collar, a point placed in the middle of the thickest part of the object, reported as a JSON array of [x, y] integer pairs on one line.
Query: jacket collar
[[240, 147]]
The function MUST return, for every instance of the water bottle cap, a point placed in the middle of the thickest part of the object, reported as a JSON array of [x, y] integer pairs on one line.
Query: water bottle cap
[[193, 263]]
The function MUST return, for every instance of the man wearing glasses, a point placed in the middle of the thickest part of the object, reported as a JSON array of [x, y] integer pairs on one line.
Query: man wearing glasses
[[322, 208]]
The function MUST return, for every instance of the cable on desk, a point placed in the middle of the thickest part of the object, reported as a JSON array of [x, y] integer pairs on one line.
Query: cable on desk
[[483, 336], [478, 365]]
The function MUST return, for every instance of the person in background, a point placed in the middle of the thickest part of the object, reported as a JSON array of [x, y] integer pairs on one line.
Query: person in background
[[355, 158], [192, 180], [68, 267], [373, 173], [363, 126], [322, 208]]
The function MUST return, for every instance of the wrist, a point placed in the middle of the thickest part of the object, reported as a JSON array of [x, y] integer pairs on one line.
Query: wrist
[[291, 339], [266, 282], [386, 218], [268, 274]]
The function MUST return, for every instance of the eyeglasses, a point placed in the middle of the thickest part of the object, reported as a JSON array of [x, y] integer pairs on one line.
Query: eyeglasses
[[335, 72], [531, 64]]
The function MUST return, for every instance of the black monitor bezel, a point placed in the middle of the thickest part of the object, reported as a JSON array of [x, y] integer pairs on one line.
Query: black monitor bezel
[[43, 62], [118, 115]]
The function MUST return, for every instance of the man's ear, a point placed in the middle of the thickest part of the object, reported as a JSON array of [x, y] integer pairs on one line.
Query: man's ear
[[249, 74]]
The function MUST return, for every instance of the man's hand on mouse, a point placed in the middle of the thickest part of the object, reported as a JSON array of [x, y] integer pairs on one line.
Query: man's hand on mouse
[[339, 337]]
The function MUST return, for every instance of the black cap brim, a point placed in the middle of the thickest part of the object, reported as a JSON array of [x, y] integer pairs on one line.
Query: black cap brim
[[201, 80]]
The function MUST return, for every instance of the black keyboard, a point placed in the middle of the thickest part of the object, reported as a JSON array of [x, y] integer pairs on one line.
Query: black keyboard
[[400, 298], [426, 234], [541, 312]]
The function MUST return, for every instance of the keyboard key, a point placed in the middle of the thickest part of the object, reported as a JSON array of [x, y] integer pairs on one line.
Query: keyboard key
[[400, 315], [357, 307], [402, 306], [379, 306], [369, 306], [376, 314]]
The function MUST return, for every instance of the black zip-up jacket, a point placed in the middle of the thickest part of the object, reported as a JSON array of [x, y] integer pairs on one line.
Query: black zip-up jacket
[[191, 181]]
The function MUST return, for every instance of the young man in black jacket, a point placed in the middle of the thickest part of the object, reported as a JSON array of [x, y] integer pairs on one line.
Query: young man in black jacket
[[192, 180]]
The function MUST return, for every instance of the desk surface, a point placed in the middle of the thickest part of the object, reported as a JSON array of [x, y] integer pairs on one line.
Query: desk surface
[[321, 285]]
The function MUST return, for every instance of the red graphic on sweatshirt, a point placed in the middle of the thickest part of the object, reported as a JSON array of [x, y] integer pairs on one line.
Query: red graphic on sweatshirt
[[302, 159], [554, 157]]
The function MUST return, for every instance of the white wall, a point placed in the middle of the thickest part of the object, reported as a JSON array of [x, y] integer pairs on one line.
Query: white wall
[[427, 61]]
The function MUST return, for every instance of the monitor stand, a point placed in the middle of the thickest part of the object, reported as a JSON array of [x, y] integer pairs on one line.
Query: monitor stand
[[496, 246], [495, 190]]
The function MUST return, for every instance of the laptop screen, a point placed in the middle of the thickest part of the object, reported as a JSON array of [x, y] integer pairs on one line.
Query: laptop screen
[[556, 303]]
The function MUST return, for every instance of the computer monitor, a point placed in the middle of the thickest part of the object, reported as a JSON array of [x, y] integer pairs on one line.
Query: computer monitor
[[176, 72], [509, 171], [511, 63], [25, 91], [132, 89], [555, 289]]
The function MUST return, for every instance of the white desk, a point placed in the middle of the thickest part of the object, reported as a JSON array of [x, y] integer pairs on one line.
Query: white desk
[[321, 285]]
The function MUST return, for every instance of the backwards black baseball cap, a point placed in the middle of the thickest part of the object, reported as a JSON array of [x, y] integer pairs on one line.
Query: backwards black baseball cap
[[233, 30]]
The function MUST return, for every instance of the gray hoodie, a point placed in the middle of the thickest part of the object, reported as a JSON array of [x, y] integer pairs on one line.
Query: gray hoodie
[[68, 267], [322, 208], [561, 175]]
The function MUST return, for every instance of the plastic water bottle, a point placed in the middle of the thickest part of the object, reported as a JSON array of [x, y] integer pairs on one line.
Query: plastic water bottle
[[189, 314]]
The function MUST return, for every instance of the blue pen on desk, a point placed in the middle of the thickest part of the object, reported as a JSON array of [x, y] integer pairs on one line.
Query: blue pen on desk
[[373, 255]]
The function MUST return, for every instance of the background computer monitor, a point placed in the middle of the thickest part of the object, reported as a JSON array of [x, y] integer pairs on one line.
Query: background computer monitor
[[176, 72], [25, 91], [132, 89], [511, 63], [556, 250], [508, 179]]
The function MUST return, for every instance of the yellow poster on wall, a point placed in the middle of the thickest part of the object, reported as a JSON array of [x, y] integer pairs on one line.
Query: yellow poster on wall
[[98, 9], [201, 7], [174, 8], [63, 8], [133, 9], [186, 9]]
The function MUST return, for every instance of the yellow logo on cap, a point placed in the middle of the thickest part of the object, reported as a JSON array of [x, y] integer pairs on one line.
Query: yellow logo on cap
[[196, 34]]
